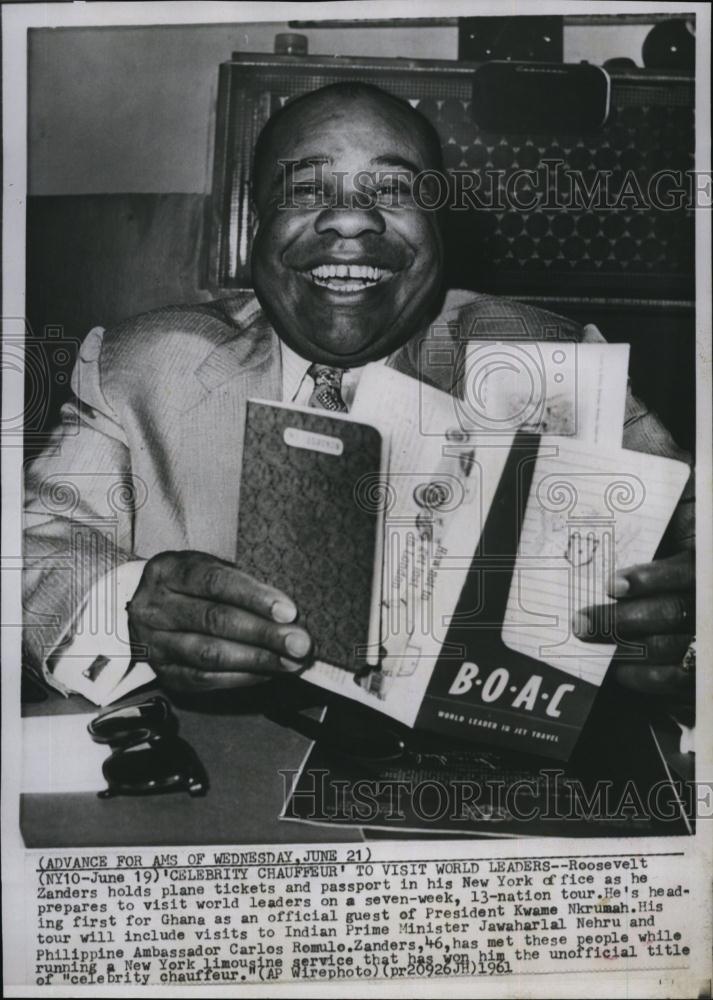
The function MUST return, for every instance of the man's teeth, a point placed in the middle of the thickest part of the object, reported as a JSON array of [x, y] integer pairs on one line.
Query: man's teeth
[[346, 277]]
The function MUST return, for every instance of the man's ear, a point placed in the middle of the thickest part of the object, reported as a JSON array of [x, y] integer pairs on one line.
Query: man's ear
[[255, 221]]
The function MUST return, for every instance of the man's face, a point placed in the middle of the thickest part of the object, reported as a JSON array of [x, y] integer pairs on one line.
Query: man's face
[[344, 283]]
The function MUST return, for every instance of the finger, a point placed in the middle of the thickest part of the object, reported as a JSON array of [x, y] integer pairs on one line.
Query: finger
[[204, 576], [657, 577], [212, 655], [658, 680], [178, 678], [640, 617], [656, 650], [181, 613]]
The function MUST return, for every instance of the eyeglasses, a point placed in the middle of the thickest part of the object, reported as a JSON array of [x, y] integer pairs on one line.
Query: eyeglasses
[[148, 757]]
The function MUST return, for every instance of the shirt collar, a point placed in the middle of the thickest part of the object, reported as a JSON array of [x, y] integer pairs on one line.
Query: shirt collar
[[294, 369]]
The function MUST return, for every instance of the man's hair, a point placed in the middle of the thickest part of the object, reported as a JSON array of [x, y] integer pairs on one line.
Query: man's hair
[[349, 90]]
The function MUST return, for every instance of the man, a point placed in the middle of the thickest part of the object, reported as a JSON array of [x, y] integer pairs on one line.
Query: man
[[160, 408]]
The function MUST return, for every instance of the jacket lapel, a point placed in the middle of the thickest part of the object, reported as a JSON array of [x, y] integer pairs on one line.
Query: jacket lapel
[[211, 431], [252, 355]]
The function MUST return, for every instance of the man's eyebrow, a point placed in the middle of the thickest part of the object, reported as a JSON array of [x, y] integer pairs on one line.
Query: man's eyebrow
[[397, 162], [286, 169], [308, 161]]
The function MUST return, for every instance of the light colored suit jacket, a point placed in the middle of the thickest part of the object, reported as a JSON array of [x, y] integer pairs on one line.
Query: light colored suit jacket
[[148, 455]]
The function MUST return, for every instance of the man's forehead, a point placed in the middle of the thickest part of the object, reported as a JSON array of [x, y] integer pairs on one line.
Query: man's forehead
[[334, 129]]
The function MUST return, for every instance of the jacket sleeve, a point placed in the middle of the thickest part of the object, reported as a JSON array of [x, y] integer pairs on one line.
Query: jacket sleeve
[[79, 501]]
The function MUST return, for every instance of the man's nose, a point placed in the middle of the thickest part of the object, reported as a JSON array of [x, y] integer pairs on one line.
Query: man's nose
[[350, 221]]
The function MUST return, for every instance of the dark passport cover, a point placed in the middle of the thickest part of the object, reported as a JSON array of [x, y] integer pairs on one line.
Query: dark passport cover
[[308, 520]]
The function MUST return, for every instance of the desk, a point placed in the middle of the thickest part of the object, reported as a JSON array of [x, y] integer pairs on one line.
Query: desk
[[243, 753]]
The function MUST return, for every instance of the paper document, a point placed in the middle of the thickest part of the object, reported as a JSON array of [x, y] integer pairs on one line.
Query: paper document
[[549, 387], [589, 513], [59, 755]]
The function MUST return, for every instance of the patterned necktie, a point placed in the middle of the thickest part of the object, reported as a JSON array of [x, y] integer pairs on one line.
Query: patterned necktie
[[327, 393]]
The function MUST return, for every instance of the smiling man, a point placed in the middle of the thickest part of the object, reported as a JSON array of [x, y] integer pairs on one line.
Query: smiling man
[[136, 500], [344, 263]]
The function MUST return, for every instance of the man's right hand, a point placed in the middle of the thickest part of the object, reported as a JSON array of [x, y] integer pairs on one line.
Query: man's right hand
[[204, 625]]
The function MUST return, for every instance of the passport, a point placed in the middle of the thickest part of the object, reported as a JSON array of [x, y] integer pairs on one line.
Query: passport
[[309, 523]]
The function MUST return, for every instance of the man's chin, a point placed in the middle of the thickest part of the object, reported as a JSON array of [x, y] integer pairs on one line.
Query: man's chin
[[339, 353], [348, 336]]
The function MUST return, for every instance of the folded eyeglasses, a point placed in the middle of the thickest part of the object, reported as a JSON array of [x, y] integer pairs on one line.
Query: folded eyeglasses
[[148, 757]]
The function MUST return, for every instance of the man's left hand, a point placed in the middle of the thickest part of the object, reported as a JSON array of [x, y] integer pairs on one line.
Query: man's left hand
[[653, 620]]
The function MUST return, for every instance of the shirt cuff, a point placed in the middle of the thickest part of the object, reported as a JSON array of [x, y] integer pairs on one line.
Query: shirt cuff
[[97, 663]]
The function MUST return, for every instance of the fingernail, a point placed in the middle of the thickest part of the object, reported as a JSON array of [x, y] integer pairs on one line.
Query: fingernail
[[290, 666], [297, 643], [618, 586], [283, 612], [581, 623]]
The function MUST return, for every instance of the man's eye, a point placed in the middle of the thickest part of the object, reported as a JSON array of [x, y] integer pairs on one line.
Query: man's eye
[[393, 192], [306, 192]]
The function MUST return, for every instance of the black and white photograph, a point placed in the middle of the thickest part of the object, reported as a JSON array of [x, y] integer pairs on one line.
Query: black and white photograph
[[356, 454]]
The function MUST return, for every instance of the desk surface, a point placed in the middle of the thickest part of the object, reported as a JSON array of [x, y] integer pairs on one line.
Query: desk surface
[[243, 753]]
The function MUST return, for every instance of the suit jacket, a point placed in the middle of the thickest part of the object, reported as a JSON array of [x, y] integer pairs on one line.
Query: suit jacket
[[149, 452]]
